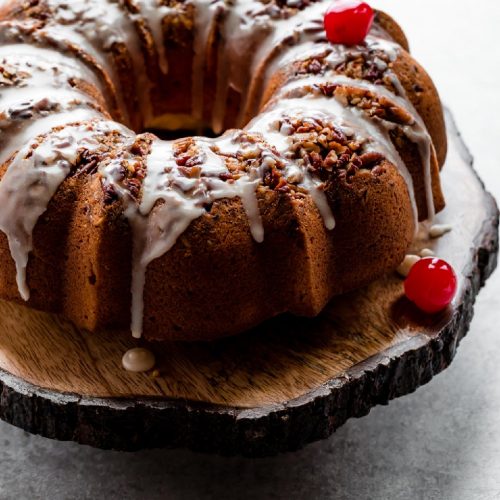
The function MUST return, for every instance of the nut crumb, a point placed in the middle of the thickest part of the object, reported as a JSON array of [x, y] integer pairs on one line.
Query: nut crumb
[[405, 266], [438, 230], [427, 252]]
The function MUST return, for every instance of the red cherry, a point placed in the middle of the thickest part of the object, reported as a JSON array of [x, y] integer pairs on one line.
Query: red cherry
[[431, 284], [348, 21]]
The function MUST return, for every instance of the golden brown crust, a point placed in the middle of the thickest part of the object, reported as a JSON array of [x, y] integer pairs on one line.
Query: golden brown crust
[[419, 87], [392, 28], [424, 96]]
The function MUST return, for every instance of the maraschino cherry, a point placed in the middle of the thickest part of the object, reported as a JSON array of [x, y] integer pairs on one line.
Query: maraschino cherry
[[431, 284], [348, 21]]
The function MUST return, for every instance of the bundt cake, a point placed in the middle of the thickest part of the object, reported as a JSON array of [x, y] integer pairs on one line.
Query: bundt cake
[[329, 159]]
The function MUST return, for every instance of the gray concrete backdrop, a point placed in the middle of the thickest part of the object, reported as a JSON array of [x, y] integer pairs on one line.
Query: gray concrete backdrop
[[443, 442]]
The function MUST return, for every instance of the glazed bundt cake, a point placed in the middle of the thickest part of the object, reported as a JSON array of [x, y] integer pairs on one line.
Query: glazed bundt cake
[[329, 159]]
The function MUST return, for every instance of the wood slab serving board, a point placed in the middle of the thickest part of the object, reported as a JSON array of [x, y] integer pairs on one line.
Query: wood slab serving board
[[286, 383]]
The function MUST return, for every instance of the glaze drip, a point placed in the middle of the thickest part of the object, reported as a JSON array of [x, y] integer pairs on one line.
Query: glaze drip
[[171, 201], [31, 181], [104, 24], [154, 13], [415, 131]]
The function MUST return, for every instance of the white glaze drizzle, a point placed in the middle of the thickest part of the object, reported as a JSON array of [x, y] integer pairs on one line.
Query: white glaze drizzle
[[267, 125], [221, 93], [20, 105], [154, 13], [314, 106], [377, 40], [250, 22], [171, 201], [416, 132], [44, 66], [244, 25], [42, 89], [427, 252], [249, 35], [63, 38], [40, 126], [32, 179], [438, 230], [405, 267], [102, 24], [153, 235]]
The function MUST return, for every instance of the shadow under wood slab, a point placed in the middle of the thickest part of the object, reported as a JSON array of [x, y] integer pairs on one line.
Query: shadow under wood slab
[[289, 382]]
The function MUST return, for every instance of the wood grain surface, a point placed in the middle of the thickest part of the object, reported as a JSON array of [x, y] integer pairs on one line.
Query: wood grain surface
[[373, 337]]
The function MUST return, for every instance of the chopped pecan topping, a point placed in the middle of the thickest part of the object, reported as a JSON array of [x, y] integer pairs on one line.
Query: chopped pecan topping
[[10, 76], [110, 195], [360, 64], [328, 151], [187, 153], [371, 159], [282, 9], [365, 65], [191, 172], [142, 145], [372, 104]]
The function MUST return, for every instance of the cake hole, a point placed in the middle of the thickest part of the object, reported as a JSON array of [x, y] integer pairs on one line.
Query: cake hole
[[171, 126], [170, 135]]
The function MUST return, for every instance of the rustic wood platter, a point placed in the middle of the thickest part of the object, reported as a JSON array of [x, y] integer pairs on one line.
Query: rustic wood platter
[[274, 389]]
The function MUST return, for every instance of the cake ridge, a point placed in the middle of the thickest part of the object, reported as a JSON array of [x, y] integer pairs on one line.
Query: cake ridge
[[15, 32], [104, 25], [31, 181]]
